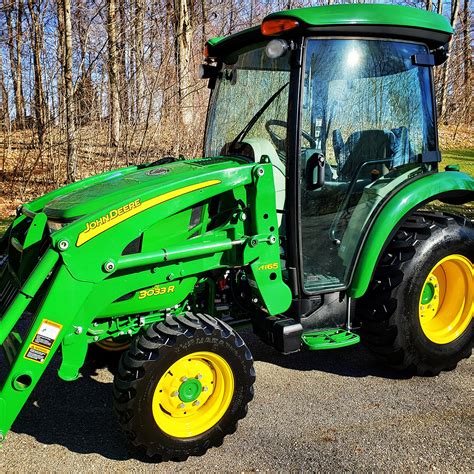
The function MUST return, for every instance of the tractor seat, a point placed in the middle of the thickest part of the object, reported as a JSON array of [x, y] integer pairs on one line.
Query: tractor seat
[[360, 147]]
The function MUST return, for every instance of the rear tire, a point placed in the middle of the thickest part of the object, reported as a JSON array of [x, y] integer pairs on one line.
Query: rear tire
[[182, 386], [393, 313], [108, 351]]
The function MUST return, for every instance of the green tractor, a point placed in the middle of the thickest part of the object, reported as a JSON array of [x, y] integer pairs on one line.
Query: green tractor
[[305, 219]]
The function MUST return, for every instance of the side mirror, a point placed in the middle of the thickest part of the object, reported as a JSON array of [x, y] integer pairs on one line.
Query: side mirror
[[206, 71], [441, 55], [316, 163]]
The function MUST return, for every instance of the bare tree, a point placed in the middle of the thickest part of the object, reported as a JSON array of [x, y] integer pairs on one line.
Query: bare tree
[[71, 159], [123, 47], [139, 58], [114, 100], [5, 114], [467, 49], [15, 41], [61, 58], [37, 45], [183, 39], [445, 72], [440, 7]]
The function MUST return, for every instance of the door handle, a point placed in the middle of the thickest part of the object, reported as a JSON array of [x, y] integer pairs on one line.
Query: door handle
[[316, 162]]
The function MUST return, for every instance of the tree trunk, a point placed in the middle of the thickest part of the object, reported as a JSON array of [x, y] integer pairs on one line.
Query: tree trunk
[[429, 5], [204, 23], [122, 44], [447, 67], [467, 49], [4, 95], [19, 47], [70, 116], [62, 62], [114, 100], [467, 60], [139, 58], [440, 7], [37, 45], [183, 58], [14, 48]]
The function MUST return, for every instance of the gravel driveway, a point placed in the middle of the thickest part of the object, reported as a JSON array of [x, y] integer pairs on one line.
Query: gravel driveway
[[328, 411]]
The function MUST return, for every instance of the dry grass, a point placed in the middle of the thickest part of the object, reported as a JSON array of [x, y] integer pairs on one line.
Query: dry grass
[[27, 174]]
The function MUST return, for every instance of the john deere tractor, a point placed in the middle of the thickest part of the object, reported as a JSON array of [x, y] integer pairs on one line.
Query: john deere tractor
[[305, 219]]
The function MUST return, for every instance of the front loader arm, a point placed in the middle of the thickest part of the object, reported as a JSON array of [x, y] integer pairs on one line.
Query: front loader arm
[[82, 285]]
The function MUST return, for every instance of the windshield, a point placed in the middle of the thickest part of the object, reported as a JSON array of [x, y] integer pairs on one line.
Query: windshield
[[249, 107]]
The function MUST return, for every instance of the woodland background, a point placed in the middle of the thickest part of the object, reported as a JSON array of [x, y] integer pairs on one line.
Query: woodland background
[[90, 85]]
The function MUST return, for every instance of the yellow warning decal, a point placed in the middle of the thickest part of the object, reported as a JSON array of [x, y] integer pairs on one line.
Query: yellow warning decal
[[116, 216], [36, 353], [43, 341], [47, 333]]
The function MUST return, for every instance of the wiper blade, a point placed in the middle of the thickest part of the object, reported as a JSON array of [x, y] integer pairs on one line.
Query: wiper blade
[[255, 118]]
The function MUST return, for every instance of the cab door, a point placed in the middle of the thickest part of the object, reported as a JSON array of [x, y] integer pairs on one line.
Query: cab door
[[368, 110]]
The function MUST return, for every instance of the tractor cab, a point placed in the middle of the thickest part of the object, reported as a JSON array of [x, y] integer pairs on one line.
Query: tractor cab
[[345, 114]]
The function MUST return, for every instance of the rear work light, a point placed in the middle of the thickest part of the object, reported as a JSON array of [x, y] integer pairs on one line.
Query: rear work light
[[277, 26]]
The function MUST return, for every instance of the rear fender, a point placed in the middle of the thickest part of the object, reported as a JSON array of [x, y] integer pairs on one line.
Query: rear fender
[[452, 187]]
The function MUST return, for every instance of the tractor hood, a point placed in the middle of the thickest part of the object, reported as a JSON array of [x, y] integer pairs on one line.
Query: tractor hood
[[132, 182]]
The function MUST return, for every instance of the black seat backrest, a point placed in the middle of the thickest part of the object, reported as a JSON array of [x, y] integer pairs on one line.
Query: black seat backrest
[[363, 146]]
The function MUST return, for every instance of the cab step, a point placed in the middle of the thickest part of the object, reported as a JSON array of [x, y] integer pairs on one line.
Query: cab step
[[329, 339]]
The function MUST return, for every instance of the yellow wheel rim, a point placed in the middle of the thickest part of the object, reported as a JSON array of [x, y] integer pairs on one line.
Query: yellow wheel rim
[[193, 395], [446, 300], [113, 345]]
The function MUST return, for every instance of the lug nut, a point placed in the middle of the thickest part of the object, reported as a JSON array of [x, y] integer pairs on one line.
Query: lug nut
[[183, 379], [205, 389], [181, 405], [196, 403], [199, 376], [174, 394]]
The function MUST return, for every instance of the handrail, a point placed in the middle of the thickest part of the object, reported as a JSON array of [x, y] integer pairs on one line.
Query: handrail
[[350, 189]]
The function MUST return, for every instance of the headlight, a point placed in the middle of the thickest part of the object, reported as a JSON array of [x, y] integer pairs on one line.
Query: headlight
[[54, 226]]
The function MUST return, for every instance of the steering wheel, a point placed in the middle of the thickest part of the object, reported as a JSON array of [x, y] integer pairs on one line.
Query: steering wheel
[[280, 142]]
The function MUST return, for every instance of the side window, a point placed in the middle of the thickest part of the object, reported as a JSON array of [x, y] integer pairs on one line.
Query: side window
[[369, 111]]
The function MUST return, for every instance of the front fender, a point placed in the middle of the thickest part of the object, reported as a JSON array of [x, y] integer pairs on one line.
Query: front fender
[[395, 211]]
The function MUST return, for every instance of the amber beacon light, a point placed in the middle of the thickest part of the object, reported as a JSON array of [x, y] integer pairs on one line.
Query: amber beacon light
[[277, 26]]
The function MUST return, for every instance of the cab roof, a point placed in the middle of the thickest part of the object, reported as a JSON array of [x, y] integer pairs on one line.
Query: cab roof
[[387, 21]]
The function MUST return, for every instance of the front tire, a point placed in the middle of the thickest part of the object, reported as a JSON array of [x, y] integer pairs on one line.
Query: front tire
[[182, 386], [418, 311]]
